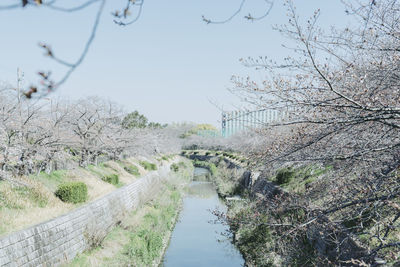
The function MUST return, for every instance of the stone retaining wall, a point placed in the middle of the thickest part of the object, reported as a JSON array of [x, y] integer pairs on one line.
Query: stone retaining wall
[[59, 240]]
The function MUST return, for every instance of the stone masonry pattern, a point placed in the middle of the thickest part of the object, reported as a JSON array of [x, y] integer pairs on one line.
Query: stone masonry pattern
[[59, 240]]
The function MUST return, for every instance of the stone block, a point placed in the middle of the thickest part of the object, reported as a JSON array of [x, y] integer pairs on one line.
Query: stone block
[[4, 260], [51, 242], [33, 255], [14, 238]]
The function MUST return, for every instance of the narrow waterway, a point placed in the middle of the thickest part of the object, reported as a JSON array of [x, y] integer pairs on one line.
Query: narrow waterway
[[196, 241]]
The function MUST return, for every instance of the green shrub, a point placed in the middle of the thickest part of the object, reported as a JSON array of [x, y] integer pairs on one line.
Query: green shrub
[[104, 166], [148, 165], [212, 168], [146, 240], [111, 179], [145, 246], [204, 164], [217, 153], [220, 161], [174, 167], [182, 164], [208, 153], [252, 243], [284, 176], [307, 254], [195, 152], [200, 164], [360, 221], [132, 169], [74, 192]]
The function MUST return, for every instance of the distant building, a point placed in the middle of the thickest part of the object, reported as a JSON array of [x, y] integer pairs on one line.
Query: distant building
[[237, 121]]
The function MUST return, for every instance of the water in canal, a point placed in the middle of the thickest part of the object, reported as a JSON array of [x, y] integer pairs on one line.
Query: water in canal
[[196, 241]]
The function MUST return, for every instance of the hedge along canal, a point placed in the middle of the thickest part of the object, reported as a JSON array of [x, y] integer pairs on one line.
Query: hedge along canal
[[197, 240]]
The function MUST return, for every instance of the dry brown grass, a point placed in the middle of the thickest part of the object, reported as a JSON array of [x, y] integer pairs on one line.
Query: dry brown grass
[[21, 207], [124, 176], [115, 241], [134, 162], [96, 187]]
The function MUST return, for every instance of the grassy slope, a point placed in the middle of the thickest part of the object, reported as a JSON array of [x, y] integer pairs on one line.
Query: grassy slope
[[254, 239], [306, 182], [24, 206], [143, 235]]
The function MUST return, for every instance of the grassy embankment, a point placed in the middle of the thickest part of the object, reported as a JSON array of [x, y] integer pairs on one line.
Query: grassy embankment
[[143, 234], [225, 179], [261, 225], [232, 156], [21, 206], [249, 223]]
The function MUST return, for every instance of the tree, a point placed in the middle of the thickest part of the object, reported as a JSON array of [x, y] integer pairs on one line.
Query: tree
[[156, 125], [46, 135], [343, 87], [342, 93], [134, 120], [31, 134]]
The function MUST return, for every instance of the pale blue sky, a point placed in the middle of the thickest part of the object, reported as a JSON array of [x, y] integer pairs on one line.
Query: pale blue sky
[[167, 65]]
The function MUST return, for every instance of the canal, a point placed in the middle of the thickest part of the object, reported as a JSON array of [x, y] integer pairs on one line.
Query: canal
[[196, 240]]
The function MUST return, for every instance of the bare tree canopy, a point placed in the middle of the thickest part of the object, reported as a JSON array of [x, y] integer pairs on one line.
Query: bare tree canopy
[[343, 86], [341, 91], [36, 135]]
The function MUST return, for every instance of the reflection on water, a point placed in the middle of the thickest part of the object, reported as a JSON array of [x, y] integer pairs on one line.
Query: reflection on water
[[201, 174], [195, 241], [201, 189]]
